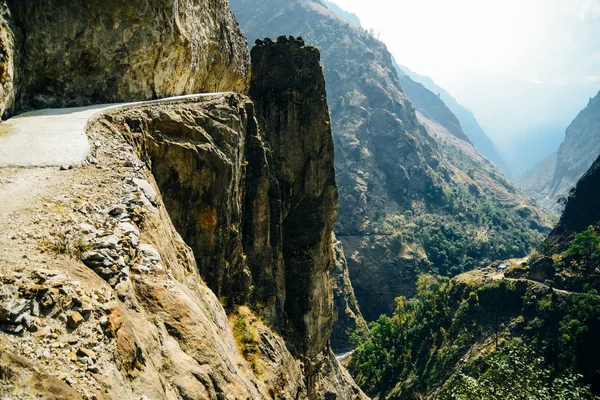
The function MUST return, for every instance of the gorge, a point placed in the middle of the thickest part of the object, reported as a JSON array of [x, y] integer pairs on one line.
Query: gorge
[[259, 202]]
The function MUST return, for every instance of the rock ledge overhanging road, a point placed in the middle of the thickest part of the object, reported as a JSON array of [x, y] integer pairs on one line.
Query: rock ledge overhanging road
[[55, 137]]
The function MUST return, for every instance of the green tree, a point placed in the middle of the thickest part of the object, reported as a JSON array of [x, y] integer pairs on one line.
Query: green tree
[[514, 373], [585, 246]]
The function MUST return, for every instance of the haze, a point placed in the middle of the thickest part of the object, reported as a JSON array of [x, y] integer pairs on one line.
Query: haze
[[524, 67]]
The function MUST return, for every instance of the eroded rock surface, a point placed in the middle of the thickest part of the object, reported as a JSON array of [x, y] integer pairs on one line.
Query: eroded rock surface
[[82, 52], [288, 89], [347, 318], [101, 296]]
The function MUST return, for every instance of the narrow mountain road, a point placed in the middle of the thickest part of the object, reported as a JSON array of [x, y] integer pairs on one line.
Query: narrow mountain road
[[33, 145], [502, 277], [54, 137], [343, 356]]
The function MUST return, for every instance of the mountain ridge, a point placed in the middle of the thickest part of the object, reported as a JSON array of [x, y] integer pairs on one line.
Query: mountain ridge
[[554, 177]]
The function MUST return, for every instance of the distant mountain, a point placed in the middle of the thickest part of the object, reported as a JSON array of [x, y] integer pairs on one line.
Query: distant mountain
[[525, 118], [345, 15], [467, 121], [557, 175], [430, 105]]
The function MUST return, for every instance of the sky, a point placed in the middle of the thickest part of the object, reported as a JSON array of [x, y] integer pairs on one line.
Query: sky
[[524, 67]]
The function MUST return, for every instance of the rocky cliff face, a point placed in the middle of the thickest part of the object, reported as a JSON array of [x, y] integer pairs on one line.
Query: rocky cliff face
[[191, 256], [112, 302], [408, 201], [575, 155], [66, 54], [288, 89]]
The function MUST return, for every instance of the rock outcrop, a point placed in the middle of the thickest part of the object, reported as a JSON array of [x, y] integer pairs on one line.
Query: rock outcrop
[[288, 89], [78, 53]]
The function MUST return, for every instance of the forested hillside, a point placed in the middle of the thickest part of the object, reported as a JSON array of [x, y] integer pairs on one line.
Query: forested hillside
[[529, 331]]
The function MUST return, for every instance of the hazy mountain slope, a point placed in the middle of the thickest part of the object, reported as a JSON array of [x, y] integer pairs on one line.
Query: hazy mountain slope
[[345, 15], [406, 204], [467, 120], [430, 105], [575, 155], [537, 179]]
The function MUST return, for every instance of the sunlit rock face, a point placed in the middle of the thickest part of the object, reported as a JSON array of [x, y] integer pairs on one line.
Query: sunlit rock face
[[288, 89], [87, 52]]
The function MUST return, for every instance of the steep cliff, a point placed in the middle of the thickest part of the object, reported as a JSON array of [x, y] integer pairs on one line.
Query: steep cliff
[[79, 53], [575, 155], [288, 89], [190, 256], [408, 201], [111, 302]]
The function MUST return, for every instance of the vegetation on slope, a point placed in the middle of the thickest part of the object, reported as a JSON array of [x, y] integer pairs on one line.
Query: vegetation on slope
[[489, 335], [461, 334]]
